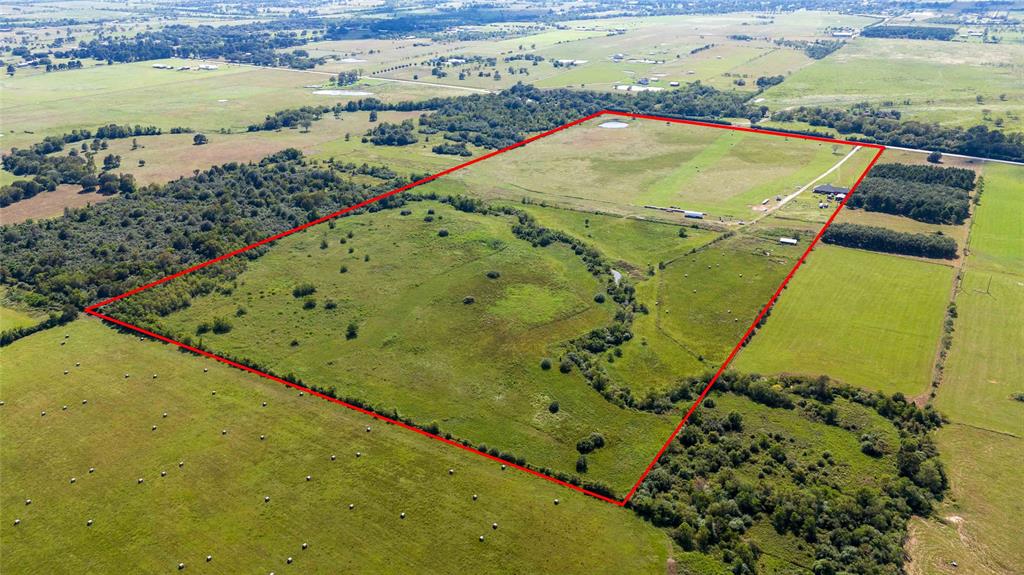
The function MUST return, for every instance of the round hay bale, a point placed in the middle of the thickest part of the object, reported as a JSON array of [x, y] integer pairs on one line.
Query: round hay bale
[[181, 464], [556, 502], [214, 392], [78, 364], [333, 457], [92, 469], [209, 558], [367, 429], [266, 499], [205, 370], [504, 467], [65, 372], [43, 414], [181, 566], [262, 437], [28, 502], [154, 376], [140, 480], [264, 404], [64, 408], [85, 401], [402, 516], [451, 471], [305, 545], [494, 525], [88, 523], [73, 480], [290, 560], [351, 505], [223, 432], [163, 474], [17, 522], [481, 538], [154, 428], [126, 376], [359, 454], [165, 414], [309, 478], [475, 496]]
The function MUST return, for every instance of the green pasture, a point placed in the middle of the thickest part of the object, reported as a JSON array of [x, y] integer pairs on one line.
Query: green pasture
[[925, 80], [867, 319], [212, 503], [997, 236], [473, 368]]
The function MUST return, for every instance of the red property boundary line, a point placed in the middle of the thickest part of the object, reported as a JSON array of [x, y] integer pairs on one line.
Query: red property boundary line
[[91, 310]]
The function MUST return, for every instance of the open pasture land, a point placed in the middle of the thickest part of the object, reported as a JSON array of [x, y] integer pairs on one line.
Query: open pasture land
[[707, 300], [979, 524], [925, 80], [231, 97], [866, 319], [213, 504], [725, 173], [635, 242], [997, 236], [471, 366]]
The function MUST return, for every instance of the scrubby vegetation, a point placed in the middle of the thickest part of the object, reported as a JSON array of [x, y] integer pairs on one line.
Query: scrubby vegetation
[[910, 32], [724, 475]]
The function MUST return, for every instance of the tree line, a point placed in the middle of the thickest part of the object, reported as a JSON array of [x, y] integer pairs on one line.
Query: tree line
[[885, 240], [925, 202], [870, 124], [909, 32]]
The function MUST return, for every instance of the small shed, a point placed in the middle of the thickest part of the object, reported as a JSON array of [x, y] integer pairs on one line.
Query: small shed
[[789, 241]]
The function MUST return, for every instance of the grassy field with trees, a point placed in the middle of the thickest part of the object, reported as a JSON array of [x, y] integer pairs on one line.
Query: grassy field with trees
[[436, 337]]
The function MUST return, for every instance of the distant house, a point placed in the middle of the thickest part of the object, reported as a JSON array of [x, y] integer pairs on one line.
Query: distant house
[[829, 189]]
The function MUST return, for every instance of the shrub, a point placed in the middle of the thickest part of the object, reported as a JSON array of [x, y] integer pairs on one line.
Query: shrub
[[330, 304], [309, 304], [599, 298], [303, 290], [352, 331], [565, 366], [545, 363], [493, 275], [581, 464], [221, 325], [442, 233], [553, 407]]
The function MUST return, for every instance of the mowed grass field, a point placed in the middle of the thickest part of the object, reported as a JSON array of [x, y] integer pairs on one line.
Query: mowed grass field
[[474, 369], [231, 98], [723, 172], [925, 80], [985, 367], [214, 505], [867, 319]]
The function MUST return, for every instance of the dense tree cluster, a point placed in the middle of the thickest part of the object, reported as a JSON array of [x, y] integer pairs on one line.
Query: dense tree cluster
[[885, 127], [498, 120], [716, 480], [256, 43], [909, 32], [108, 248], [389, 134], [890, 241], [917, 192], [456, 149]]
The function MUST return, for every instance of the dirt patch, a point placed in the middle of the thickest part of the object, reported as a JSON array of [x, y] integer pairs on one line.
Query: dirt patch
[[49, 204]]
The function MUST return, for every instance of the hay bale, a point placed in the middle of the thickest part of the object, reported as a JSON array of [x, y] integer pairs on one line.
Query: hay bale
[[556, 502], [305, 545], [367, 429], [264, 404], [205, 370], [351, 505], [333, 457], [359, 454], [163, 474], [402, 516], [73, 480], [28, 502], [309, 478], [290, 560], [181, 464], [43, 414], [266, 499], [88, 523], [65, 372], [481, 538], [494, 526], [165, 414], [92, 469], [223, 432], [140, 480], [451, 471], [475, 496], [17, 522], [154, 428], [85, 401], [64, 408], [209, 558], [262, 437], [214, 392], [181, 566]]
